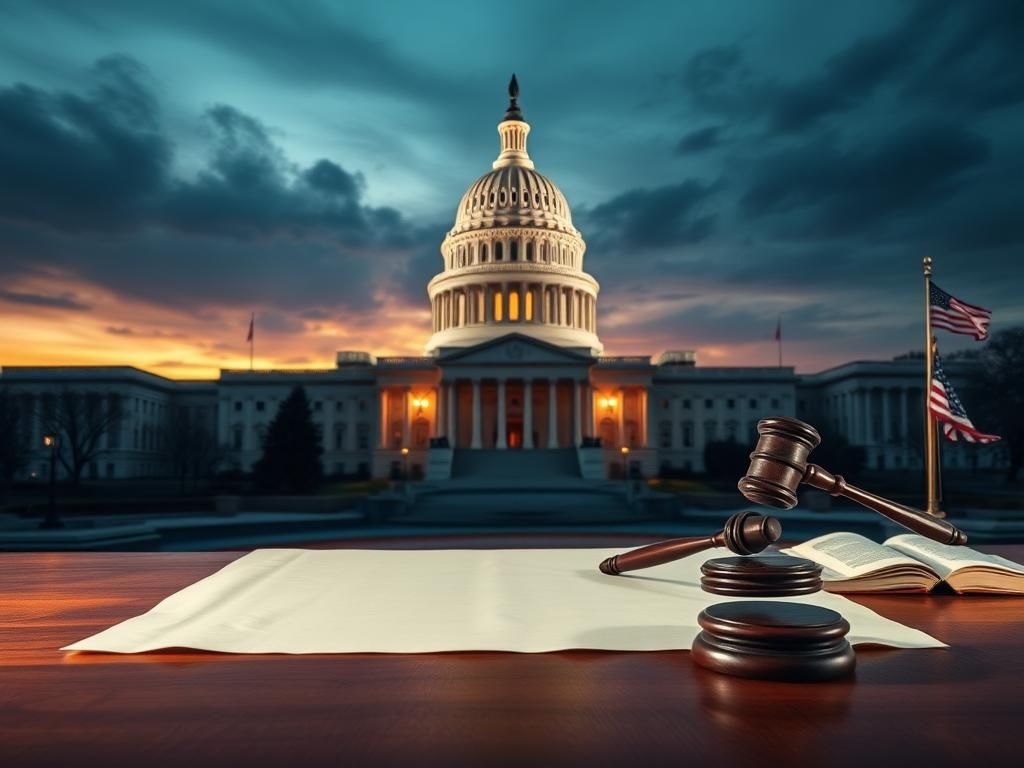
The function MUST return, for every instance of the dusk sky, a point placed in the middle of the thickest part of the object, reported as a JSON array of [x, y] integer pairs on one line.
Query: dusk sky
[[166, 168]]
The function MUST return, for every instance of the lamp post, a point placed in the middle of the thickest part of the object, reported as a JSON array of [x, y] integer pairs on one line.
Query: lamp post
[[405, 464], [624, 450], [52, 520]]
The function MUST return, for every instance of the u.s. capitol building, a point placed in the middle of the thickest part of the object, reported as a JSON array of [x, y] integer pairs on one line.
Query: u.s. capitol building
[[514, 363]]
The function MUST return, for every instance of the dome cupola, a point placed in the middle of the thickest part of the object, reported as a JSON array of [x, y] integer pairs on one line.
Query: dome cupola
[[513, 262]]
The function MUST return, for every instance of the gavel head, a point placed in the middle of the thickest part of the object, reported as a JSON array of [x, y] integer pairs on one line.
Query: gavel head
[[779, 461], [747, 533]]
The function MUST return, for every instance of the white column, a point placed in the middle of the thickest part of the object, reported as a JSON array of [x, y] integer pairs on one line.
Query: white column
[[502, 441], [904, 415], [620, 394], [677, 427], [588, 409], [383, 418], [644, 431], [869, 419], [440, 404], [476, 443], [528, 408], [449, 412], [552, 413], [886, 417], [407, 402], [577, 422], [248, 438]]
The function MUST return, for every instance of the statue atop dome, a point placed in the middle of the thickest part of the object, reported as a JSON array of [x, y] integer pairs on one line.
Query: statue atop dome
[[513, 112]]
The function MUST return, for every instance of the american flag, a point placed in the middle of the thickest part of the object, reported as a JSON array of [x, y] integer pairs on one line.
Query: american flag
[[958, 316], [946, 407]]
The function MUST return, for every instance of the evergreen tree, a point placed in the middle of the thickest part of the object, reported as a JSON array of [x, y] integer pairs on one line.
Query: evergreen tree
[[291, 449]]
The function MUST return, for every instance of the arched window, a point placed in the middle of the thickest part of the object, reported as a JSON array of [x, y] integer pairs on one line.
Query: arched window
[[513, 305], [513, 197], [513, 250], [498, 251], [479, 306], [498, 308], [529, 251], [502, 197], [544, 251], [528, 309], [483, 253]]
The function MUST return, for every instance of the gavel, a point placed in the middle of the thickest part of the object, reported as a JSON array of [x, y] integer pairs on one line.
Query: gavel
[[779, 464], [745, 533]]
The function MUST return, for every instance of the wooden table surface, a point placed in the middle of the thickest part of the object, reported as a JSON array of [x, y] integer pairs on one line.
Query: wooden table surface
[[961, 706]]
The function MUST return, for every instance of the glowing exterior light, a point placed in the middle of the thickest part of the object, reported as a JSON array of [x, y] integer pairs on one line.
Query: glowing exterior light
[[624, 450], [405, 451], [49, 441]]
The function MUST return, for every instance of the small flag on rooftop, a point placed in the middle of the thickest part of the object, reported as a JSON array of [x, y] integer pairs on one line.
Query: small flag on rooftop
[[946, 407], [952, 314]]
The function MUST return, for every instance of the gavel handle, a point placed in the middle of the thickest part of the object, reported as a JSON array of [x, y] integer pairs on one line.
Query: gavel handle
[[919, 522], [657, 554]]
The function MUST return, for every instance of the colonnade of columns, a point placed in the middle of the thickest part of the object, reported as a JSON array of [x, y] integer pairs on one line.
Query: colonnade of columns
[[496, 250], [514, 302], [866, 415], [448, 416]]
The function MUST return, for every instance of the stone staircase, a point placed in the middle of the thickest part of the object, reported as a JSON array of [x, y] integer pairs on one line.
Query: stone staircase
[[495, 464], [517, 487]]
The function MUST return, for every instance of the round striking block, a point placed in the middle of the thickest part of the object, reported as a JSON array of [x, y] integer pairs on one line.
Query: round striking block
[[774, 640], [761, 576]]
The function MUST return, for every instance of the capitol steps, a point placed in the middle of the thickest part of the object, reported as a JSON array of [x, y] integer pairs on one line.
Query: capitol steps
[[519, 487], [513, 463]]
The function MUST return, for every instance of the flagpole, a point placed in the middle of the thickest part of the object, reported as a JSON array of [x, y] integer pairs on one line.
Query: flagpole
[[930, 434], [252, 338]]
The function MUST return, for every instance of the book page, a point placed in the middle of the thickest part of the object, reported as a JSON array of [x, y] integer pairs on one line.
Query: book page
[[850, 554], [945, 558]]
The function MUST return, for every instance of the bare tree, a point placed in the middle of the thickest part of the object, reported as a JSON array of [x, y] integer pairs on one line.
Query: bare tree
[[191, 448], [14, 448], [1000, 407], [80, 421]]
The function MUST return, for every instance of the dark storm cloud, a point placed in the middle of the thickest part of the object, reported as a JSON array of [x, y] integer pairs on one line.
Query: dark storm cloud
[[700, 140], [654, 218], [843, 190], [82, 162], [965, 54], [63, 301], [251, 225], [249, 188]]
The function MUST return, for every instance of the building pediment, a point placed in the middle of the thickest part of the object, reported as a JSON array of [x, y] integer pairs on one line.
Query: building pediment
[[514, 349]]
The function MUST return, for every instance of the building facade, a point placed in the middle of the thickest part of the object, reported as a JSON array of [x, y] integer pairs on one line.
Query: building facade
[[513, 362]]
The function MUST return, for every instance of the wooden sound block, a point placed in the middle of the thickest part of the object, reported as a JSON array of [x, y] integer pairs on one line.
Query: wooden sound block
[[774, 640], [761, 576]]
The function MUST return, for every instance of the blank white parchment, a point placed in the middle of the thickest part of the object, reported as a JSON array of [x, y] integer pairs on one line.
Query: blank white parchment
[[388, 601]]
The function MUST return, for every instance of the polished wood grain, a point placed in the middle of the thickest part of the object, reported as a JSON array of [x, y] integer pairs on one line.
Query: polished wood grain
[[960, 706]]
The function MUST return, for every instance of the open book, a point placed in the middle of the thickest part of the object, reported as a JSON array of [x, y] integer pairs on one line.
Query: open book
[[907, 563]]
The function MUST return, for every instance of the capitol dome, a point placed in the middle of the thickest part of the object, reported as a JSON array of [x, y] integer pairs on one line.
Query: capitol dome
[[513, 262]]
